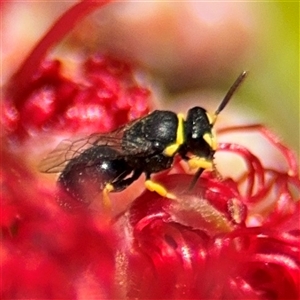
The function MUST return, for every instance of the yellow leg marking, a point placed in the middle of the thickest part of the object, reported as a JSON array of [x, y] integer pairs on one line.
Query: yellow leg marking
[[212, 118], [158, 188], [199, 162], [106, 200], [171, 150]]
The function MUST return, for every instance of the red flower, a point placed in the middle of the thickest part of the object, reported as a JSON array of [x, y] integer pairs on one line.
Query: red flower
[[227, 238], [212, 242]]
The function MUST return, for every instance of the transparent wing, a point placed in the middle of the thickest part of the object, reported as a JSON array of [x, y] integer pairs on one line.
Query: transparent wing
[[67, 150]]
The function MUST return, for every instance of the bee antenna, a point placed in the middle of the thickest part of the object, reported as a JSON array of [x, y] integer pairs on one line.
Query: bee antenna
[[229, 94]]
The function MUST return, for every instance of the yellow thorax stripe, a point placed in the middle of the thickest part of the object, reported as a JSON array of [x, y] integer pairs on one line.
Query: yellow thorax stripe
[[173, 148]]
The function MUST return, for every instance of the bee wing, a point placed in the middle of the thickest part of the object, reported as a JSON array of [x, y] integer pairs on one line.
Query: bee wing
[[67, 150], [57, 159]]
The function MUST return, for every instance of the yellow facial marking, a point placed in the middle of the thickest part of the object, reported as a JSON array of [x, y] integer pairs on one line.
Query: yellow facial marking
[[200, 162], [214, 140], [172, 149], [210, 118], [210, 139]]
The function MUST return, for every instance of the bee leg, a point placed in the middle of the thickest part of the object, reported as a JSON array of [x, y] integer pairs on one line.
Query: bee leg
[[195, 178], [215, 171], [118, 186], [158, 188], [105, 197]]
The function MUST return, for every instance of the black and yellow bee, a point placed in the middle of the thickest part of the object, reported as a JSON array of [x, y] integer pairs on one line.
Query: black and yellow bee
[[110, 162]]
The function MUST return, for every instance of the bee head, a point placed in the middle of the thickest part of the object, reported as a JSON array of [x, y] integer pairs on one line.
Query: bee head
[[199, 135]]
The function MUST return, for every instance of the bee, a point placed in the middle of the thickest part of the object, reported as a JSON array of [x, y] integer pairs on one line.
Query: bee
[[110, 162]]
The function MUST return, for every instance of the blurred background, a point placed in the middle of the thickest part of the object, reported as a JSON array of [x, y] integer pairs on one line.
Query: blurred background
[[192, 51]]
